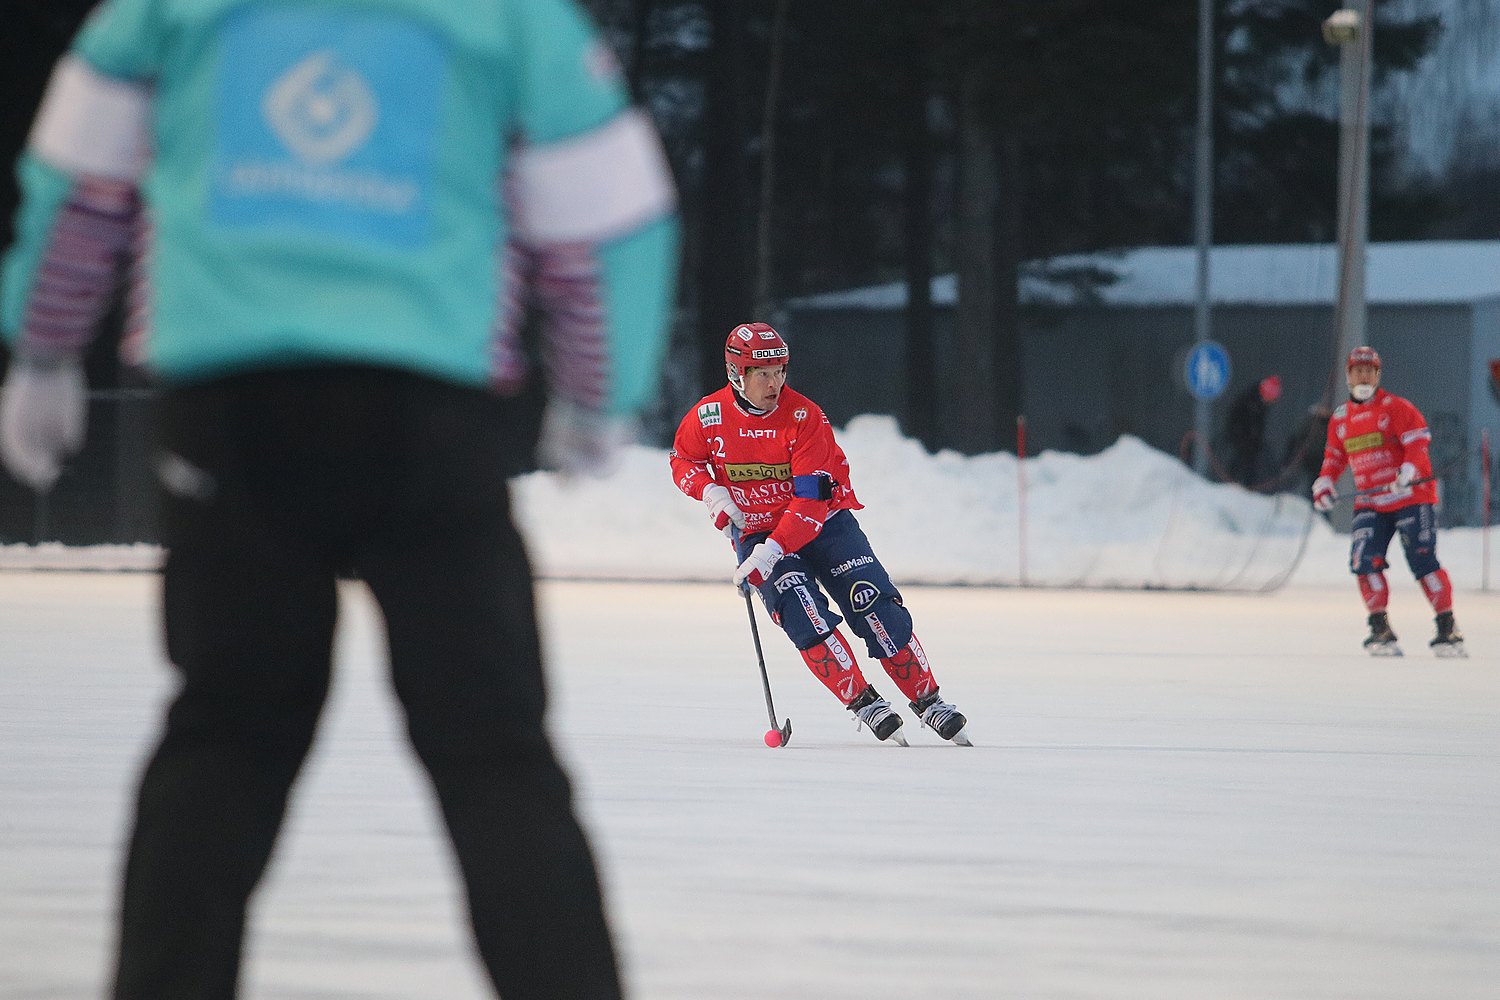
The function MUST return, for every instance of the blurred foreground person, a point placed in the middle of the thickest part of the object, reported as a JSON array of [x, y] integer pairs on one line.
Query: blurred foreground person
[[1383, 439], [336, 211], [762, 457]]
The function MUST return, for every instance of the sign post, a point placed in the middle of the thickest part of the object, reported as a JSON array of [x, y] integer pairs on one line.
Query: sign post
[[1205, 372]]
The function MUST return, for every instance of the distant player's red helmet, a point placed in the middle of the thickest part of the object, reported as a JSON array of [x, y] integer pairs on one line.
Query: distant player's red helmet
[[752, 345], [1362, 356]]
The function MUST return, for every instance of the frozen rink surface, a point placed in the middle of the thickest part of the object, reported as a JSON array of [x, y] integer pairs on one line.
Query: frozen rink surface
[[1172, 797]]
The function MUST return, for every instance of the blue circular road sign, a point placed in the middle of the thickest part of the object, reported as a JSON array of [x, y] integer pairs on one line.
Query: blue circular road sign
[[1206, 370]]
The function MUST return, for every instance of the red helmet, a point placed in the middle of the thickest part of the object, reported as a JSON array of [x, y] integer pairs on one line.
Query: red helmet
[[752, 345], [1362, 356]]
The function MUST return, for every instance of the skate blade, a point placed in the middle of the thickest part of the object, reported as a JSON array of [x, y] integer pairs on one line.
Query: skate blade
[[1383, 649], [1450, 651], [961, 738], [899, 738]]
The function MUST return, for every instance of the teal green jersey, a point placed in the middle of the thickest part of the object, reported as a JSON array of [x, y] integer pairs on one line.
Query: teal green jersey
[[333, 181]]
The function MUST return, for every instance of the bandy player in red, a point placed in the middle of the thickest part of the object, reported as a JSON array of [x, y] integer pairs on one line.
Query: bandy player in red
[[1383, 439], [763, 458]]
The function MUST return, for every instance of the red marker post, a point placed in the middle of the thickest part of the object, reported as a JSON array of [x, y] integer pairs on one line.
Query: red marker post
[[1484, 533], [1021, 491]]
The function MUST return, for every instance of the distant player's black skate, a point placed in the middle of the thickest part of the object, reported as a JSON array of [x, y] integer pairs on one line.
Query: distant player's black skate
[[941, 717], [1381, 641], [874, 711], [1449, 641]]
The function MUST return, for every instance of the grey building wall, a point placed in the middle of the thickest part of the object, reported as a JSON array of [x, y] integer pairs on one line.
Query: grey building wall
[[1484, 408], [1095, 373], [849, 361]]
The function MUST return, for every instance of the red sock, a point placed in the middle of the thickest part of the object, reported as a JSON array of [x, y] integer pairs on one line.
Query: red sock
[[1373, 589], [833, 664], [1438, 590], [910, 671]]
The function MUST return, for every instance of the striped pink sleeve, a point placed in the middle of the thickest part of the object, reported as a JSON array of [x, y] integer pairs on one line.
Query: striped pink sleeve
[[516, 273], [78, 274], [568, 291], [138, 298]]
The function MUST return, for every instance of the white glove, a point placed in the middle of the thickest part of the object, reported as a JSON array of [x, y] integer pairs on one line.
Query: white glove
[[1323, 494], [722, 508], [576, 441], [1405, 477], [43, 409], [757, 565]]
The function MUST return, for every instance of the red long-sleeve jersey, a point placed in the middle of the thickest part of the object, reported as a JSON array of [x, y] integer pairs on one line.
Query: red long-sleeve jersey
[[756, 456], [1375, 439]]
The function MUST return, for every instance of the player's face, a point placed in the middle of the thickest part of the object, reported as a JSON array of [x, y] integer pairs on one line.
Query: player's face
[[763, 386], [1364, 375]]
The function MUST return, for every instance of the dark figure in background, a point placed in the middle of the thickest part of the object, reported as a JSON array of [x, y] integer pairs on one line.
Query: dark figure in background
[[336, 209], [1304, 448], [1245, 428]]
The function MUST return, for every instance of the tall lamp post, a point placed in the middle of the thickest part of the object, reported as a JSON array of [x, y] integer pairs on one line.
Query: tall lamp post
[[1351, 28], [1203, 216]]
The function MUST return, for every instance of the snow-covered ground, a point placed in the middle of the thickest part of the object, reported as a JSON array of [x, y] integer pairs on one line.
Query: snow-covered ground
[[1174, 796]]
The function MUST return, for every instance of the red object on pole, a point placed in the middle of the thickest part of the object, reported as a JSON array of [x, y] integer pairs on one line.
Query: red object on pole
[[1484, 533], [1021, 491]]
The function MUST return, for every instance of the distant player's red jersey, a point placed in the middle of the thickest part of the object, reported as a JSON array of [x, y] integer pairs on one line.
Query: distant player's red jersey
[[756, 456], [1374, 439]]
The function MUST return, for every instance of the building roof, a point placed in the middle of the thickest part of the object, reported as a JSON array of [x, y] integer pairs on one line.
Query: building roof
[[1417, 273]]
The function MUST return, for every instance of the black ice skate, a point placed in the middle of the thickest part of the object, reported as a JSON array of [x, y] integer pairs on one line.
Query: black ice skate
[[941, 717], [1381, 641], [1449, 641], [874, 711]]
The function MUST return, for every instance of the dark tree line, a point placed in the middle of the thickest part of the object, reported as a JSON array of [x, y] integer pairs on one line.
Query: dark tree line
[[825, 144], [968, 136]]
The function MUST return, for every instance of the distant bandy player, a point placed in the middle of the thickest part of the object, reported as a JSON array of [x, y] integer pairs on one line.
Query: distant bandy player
[[763, 458], [1383, 438]]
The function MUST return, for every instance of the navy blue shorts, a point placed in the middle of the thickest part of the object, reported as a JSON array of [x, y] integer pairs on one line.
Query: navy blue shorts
[[839, 563], [1373, 530]]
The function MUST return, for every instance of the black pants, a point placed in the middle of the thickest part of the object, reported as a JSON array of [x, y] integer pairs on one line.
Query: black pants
[[277, 483]]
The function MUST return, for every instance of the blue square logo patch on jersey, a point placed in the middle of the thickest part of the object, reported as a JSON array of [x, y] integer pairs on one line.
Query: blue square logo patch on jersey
[[328, 123]]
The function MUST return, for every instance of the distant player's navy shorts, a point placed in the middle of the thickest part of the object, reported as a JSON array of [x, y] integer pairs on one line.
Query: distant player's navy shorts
[[1373, 530]]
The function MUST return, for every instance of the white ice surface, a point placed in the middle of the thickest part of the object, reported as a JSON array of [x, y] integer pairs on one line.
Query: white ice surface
[[1174, 796]]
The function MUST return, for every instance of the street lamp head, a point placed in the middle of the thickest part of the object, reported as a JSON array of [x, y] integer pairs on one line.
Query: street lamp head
[[1341, 27]]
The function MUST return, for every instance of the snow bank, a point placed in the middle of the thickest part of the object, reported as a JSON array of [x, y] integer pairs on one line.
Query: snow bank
[[1129, 516]]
